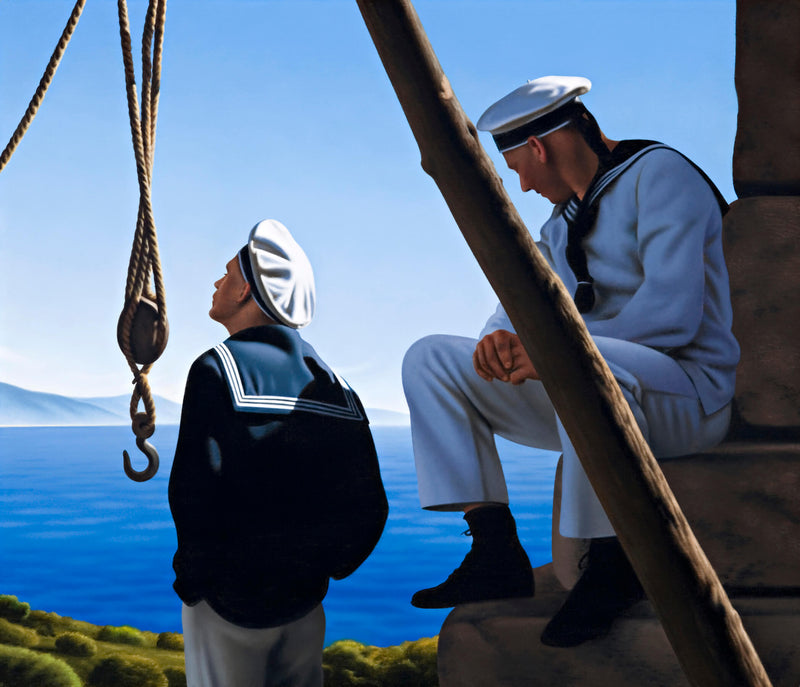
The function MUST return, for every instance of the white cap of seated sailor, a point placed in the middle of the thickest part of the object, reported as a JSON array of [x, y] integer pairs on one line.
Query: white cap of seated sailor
[[279, 274], [536, 109]]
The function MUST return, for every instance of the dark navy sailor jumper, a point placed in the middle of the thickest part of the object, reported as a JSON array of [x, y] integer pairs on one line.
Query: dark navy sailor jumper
[[275, 485]]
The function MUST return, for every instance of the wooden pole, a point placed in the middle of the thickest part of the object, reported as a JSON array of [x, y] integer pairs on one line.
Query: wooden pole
[[702, 626]]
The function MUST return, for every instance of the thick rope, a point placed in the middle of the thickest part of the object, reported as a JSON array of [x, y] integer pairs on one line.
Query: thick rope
[[144, 260], [44, 84]]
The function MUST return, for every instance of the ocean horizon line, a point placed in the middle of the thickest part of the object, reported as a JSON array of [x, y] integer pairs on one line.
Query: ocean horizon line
[[20, 407]]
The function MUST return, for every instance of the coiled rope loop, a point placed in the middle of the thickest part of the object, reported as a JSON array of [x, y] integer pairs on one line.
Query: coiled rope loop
[[44, 84], [142, 331]]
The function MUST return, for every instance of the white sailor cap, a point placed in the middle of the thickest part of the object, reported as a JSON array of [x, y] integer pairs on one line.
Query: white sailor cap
[[538, 108], [279, 274]]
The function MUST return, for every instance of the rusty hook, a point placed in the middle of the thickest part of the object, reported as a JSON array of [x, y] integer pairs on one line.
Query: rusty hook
[[152, 461]]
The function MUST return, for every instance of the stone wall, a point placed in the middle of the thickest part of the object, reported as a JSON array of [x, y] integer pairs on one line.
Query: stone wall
[[762, 228]]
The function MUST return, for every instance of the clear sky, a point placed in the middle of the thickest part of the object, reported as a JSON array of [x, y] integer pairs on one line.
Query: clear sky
[[282, 109]]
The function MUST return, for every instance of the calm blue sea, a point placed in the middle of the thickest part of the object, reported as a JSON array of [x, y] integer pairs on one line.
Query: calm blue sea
[[79, 538]]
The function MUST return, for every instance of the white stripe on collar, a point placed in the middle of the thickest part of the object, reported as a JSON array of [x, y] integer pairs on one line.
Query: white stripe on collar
[[282, 404], [570, 210], [614, 172]]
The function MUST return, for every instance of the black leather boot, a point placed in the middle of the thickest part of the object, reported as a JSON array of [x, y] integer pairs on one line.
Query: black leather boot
[[607, 587], [496, 567]]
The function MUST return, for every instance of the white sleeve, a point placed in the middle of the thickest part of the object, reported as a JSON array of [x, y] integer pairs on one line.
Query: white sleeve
[[499, 320]]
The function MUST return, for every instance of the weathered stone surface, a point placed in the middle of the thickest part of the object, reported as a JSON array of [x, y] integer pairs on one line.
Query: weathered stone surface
[[766, 157], [761, 248], [497, 643], [742, 502]]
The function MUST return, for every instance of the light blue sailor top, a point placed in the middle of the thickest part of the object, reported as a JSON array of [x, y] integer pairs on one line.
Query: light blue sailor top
[[660, 279]]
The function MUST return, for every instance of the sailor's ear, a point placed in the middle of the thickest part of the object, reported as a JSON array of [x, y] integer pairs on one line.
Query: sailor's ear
[[536, 146], [245, 293]]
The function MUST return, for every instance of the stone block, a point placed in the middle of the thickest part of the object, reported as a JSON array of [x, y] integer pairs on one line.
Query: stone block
[[766, 157], [741, 501], [497, 643], [761, 236]]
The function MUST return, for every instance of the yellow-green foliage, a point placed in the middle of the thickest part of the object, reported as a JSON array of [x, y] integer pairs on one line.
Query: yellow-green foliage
[[122, 635], [171, 641], [147, 659], [46, 624], [20, 666], [50, 624], [12, 608], [131, 671], [176, 677], [412, 664], [75, 644], [16, 635]]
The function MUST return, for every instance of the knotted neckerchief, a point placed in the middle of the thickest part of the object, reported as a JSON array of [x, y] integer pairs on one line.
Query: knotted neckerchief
[[581, 215]]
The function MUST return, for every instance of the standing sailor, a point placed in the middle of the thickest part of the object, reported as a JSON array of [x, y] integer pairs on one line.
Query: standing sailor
[[275, 486], [635, 235]]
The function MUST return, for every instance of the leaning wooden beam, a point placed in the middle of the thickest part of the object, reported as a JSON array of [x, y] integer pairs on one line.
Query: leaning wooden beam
[[702, 626]]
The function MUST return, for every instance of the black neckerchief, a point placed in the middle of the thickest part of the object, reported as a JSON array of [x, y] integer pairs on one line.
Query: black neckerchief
[[581, 215]]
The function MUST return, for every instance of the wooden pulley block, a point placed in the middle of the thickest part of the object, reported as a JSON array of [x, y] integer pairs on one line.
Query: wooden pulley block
[[144, 346]]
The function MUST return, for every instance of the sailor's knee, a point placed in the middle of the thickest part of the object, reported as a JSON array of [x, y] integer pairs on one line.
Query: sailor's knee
[[419, 356], [430, 357]]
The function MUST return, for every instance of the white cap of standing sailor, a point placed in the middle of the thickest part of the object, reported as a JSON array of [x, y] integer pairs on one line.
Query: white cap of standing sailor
[[279, 273], [536, 109]]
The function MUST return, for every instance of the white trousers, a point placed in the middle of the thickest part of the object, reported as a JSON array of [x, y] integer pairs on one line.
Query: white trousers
[[455, 415], [221, 654]]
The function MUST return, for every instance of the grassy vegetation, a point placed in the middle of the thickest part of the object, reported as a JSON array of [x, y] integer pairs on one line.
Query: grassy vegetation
[[49, 650]]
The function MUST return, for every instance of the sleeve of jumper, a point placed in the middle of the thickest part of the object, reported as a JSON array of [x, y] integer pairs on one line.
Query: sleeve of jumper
[[676, 212], [499, 319], [194, 481]]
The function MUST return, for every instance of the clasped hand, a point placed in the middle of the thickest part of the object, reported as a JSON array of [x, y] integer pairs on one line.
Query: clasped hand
[[501, 355]]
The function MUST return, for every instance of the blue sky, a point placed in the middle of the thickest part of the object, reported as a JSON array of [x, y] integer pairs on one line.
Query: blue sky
[[282, 109]]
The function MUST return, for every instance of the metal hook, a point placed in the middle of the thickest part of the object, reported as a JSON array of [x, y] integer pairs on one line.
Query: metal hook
[[152, 461]]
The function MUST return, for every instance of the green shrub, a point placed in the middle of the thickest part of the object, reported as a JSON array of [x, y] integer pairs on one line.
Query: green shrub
[[423, 655], [13, 609], [176, 677], [172, 641], [46, 624], [16, 635], [403, 673], [50, 624], [75, 644], [412, 664], [131, 671], [20, 666], [345, 663], [121, 635]]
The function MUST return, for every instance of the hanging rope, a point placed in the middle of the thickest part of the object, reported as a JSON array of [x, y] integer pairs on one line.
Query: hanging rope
[[143, 330], [44, 84]]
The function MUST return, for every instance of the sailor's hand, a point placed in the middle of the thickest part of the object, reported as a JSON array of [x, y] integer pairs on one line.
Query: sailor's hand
[[501, 355]]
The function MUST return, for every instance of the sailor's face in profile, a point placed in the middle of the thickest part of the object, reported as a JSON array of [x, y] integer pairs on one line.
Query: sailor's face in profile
[[230, 291], [536, 171]]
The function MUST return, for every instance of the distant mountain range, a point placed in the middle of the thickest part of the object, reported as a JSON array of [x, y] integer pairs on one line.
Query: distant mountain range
[[23, 408]]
